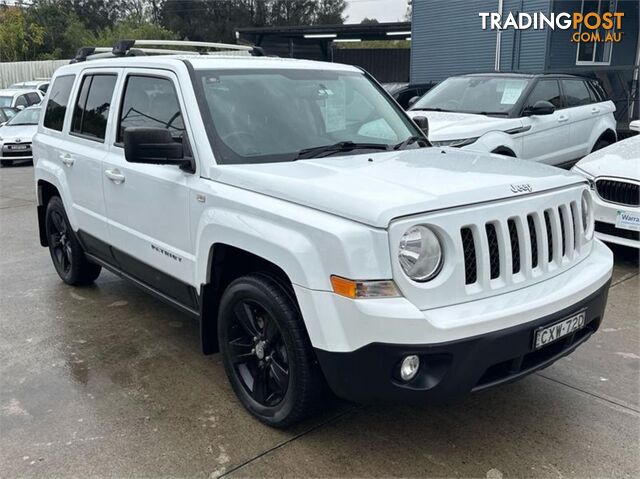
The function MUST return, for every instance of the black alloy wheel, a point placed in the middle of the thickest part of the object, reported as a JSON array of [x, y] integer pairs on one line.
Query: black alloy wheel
[[67, 255], [258, 353], [266, 350]]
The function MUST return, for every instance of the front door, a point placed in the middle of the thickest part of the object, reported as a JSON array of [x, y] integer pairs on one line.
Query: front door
[[147, 205], [547, 139]]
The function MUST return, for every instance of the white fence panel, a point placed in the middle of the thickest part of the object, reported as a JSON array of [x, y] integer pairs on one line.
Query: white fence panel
[[13, 72]]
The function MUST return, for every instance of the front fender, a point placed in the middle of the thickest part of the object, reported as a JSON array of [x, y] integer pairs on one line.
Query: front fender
[[307, 244], [496, 139]]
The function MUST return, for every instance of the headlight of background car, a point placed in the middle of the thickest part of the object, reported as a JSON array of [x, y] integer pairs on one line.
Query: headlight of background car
[[455, 143], [587, 214], [420, 253]]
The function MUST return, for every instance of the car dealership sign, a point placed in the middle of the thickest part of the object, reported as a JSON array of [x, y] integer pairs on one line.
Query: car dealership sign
[[589, 27]]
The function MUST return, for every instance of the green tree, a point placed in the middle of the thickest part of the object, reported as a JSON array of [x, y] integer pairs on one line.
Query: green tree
[[19, 38]]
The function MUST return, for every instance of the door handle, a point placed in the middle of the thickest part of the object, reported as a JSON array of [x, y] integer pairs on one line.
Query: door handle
[[563, 118], [114, 175], [595, 111], [67, 159]]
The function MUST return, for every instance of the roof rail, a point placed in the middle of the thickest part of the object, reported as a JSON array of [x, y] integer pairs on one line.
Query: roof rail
[[126, 48]]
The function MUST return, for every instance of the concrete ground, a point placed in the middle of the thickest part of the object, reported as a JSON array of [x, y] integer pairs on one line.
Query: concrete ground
[[107, 381]]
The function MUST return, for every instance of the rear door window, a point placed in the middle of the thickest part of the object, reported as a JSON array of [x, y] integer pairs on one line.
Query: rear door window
[[33, 98], [92, 107], [576, 93], [57, 104]]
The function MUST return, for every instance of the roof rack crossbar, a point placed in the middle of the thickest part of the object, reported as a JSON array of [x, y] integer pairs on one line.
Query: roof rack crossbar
[[131, 48]]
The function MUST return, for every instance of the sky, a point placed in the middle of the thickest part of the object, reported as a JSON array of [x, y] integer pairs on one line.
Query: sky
[[381, 10]]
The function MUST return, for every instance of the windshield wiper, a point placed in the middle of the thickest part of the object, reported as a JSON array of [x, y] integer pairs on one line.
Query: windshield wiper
[[429, 109], [341, 146], [409, 141]]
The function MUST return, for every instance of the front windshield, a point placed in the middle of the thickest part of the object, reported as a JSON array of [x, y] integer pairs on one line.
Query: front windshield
[[26, 117], [474, 94], [5, 100], [259, 116]]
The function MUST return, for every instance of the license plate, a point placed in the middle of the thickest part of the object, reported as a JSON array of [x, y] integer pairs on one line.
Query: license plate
[[549, 334], [628, 220], [19, 147]]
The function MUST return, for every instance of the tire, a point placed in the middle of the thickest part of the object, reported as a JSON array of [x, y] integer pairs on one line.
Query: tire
[[69, 260], [600, 144], [266, 352], [6, 163]]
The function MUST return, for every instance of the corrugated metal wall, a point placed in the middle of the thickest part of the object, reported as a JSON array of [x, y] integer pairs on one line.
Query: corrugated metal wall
[[524, 50], [447, 39], [13, 72], [386, 65]]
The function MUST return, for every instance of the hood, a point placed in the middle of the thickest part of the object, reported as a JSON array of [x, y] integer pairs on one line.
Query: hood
[[456, 126], [622, 159], [376, 188], [24, 132]]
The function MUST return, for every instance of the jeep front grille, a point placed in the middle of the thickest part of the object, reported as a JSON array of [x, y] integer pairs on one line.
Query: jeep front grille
[[507, 241], [619, 191], [495, 247]]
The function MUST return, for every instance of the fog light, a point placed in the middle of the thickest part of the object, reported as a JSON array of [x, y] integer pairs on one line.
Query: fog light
[[409, 367]]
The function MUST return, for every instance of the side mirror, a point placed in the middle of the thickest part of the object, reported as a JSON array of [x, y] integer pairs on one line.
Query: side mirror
[[635, 125], [412, 100], [423, 124], [153, 146], [2, 124], [20, 107], [541, 107]]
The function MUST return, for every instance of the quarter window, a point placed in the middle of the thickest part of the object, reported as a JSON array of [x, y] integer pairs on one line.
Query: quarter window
[[21, 101], [545, 90], [576, 93], [92, 108], [150, 102], [57, 104]]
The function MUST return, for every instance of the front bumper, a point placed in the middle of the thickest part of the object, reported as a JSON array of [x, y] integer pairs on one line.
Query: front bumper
[[452, 369], [605, 214]]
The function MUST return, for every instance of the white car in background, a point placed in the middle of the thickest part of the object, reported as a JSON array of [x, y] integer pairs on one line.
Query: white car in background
[[553, 119], [16, 136], [20, 98], [614, 174], [41, 85]]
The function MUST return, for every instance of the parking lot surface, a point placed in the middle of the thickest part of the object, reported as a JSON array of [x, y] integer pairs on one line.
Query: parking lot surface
[[108, 381]]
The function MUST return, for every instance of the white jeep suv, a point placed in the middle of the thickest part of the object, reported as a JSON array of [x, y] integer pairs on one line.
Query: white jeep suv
[[550, 118], [297, 212]]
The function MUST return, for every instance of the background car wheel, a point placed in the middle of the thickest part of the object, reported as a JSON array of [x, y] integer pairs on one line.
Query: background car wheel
[[600, 144], [66, 253], [503, 150], [266, 352], [6, 162]]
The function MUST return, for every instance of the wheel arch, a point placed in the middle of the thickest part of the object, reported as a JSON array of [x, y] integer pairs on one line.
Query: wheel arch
[[225, 264], [505, 151], [46, 191], [608, 135]]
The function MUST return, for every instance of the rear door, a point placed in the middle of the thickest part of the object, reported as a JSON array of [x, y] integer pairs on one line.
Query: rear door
[[584, 115], [147, 204], [547, 138], [85, 147]]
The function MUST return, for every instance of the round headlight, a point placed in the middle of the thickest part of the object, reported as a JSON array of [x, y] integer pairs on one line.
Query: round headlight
[[420, 253], [587, 214]]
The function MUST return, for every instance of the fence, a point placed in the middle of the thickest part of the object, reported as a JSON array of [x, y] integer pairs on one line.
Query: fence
[[13, 72]]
